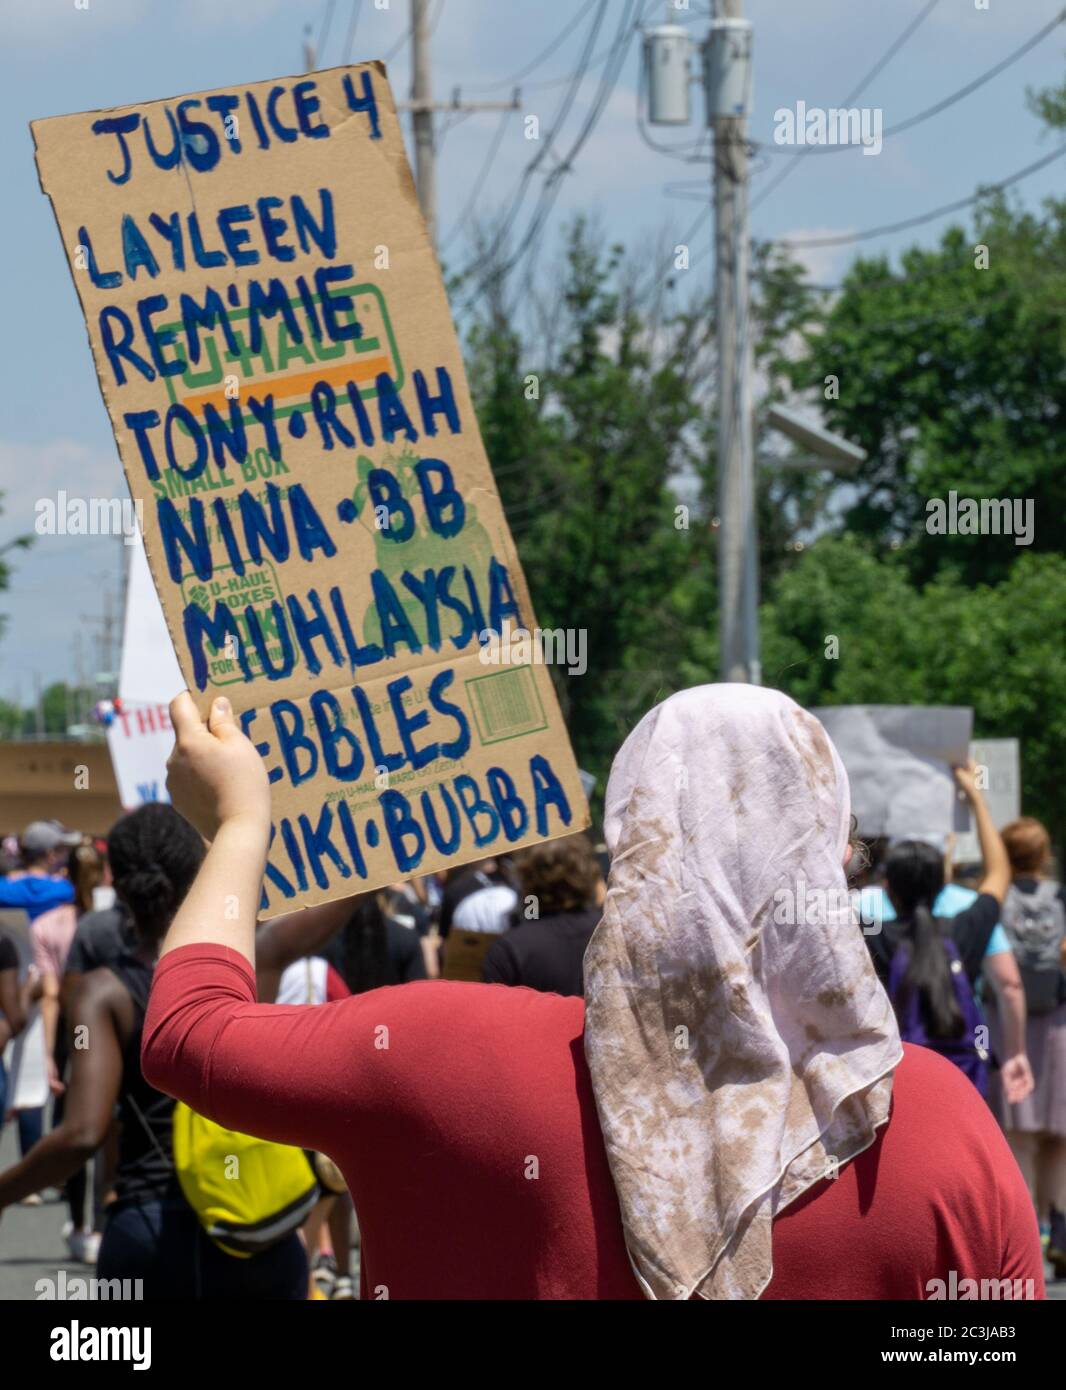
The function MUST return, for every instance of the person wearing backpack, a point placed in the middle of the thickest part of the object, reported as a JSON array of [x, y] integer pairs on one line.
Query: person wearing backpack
[[929, 965], [1034, 918], [152, 1232]]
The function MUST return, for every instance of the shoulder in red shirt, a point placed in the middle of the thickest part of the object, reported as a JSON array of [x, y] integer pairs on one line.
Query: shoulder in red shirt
[[463, 1119]]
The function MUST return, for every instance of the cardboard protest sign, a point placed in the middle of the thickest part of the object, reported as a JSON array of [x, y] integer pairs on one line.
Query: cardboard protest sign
[[898, 759], [273, 343], [1001, 786]]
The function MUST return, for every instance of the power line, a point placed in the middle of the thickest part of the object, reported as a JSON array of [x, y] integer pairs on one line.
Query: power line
[[542, 57], [547, 82], [323, 33], [939, 106], [478, 183], [875, 71], [352, 22], [847, 238], [405, 38], [628, 26], [893, 49], [527, 174]]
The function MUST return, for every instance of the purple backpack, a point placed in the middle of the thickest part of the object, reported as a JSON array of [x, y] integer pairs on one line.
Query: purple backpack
[[965, 1051]]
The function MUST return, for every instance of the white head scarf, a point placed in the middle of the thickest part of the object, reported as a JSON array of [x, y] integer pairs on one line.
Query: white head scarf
[[736, 1058]]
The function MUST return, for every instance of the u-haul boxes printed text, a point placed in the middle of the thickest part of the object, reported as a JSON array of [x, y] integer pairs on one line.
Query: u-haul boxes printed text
[[275, 350]]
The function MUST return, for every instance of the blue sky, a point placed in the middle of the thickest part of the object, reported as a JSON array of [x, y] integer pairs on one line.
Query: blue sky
[[57, 58]]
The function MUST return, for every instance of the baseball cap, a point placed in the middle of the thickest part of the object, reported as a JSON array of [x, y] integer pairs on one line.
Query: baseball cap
[[43, 836]]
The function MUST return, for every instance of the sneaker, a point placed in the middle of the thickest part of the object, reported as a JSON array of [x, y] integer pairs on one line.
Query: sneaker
[[343, 1290], [324, 1273], [33, 1200], [83, 1245]]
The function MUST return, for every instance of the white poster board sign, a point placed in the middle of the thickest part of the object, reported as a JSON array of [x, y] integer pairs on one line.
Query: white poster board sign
[[1002, 789], [140, 738], [898, 760]]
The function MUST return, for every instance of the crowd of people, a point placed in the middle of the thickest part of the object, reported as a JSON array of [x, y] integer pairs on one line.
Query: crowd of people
[[684, 1098]]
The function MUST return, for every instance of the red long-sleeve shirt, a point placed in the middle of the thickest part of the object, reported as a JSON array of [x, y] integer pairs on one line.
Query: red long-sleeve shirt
[[463, 1119]]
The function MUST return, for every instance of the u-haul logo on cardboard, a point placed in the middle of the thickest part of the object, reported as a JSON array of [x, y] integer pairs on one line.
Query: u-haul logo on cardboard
[[285, 368]]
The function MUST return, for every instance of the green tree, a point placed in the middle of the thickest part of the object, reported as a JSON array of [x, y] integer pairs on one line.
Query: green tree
[[588, 430]]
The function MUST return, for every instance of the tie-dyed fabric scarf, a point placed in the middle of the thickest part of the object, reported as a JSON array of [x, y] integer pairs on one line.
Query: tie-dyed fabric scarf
[[740, 1044]]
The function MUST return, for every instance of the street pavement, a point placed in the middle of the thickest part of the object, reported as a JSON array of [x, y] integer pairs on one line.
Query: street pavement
[[31, 1238]]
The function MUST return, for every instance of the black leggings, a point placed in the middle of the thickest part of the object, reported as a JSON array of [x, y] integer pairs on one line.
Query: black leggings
[[162, 1243]]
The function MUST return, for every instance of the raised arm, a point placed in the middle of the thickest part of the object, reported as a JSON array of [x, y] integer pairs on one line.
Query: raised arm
[[997, 873], [296, 1075], [95, 1080]]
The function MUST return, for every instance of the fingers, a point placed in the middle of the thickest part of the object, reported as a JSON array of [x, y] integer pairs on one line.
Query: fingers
[[184, 716], [220, 720]]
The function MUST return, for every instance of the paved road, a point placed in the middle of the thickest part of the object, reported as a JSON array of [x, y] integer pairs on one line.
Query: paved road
[[31, 1238]]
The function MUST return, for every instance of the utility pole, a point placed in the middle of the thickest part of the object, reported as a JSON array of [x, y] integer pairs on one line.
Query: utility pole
[[738, 567], [726, 73], [422, 116], [423, 108]]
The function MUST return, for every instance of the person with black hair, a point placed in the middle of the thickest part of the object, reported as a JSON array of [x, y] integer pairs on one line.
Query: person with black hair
[[151, 1232], [372, 949], [930, 965]]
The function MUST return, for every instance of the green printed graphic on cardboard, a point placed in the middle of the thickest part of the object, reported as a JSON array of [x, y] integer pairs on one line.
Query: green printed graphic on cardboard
[[284, 367], [258, 589], [472, 546], [506, 704]]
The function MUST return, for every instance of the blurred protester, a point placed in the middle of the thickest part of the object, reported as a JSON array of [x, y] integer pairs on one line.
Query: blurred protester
[[38, 884], [151, 1232], [415, 904], [36, 887], [731, 1114], [477, 898], [12, 1008], [372, 949], [1034, 918], [561, 898], [52, 933], [930, 965]]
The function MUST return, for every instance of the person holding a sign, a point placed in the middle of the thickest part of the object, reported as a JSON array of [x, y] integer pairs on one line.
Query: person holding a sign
[[930, 965], [729, 1114]]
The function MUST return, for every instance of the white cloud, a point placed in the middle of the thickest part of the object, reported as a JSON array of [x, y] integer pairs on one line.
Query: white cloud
[[62, 585], [29, 472], [823, 264]]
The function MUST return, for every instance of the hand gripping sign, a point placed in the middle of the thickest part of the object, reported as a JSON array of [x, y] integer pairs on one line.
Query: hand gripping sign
[[273, 343]]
